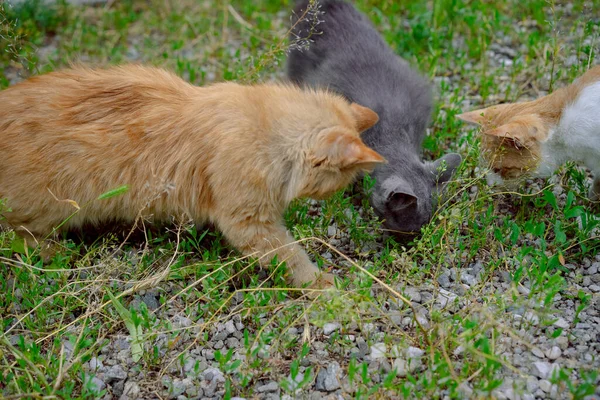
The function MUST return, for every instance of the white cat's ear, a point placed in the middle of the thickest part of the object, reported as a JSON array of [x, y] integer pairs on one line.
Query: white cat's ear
[[348, 151], [476, 117], [515, 135], [365, 117]]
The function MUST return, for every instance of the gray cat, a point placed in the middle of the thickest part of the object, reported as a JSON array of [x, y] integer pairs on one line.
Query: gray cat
[[347, 55]]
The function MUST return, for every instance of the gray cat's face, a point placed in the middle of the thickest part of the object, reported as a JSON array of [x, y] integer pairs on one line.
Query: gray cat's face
[[405, 200]]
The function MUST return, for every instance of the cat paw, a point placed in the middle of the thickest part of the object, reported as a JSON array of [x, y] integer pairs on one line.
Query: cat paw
[[324, 285], [47, 250], [324, 281]]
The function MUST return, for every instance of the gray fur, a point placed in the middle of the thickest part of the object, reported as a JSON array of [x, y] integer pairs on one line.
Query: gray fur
[[347, 55]]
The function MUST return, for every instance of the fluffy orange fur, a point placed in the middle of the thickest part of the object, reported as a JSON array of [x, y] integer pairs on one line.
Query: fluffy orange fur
[[228, 154], [512, 133]]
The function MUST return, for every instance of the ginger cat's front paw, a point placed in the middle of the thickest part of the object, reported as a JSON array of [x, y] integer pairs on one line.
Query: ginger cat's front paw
[[324, 281], [47, 251]]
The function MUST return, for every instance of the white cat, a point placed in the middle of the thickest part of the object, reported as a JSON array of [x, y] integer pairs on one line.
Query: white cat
[[535, 138]]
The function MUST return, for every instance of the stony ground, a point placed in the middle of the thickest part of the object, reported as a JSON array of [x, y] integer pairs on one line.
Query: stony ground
[[499, 297]]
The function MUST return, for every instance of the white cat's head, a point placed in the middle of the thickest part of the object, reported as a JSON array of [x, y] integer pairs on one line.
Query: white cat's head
[[511, 139]]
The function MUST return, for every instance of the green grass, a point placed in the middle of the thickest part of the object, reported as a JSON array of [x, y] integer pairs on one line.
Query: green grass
[[56, 316]]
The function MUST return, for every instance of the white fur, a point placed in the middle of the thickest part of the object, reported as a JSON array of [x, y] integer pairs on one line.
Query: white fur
[[493, 178], [577, 135]]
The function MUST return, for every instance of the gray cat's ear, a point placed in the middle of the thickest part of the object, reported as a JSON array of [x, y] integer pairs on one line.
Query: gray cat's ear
[[445, 166], [398, 194]]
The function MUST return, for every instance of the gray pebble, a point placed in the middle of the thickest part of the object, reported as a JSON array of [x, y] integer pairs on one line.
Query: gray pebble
[[218, 345], [118, 388], [541, 369], [378, 350], [269, 387], [98, 383], [151, 301], [413, 294], [414, 352], [331, 327], [130, 391], [214, 374], [468, 279], [466, 390], [545, 385], [230, 327], [553, 353], [400, 367], [532, 384], [95, 364], [294, 382], [537, 352], [327, 379], [232, 343], [561, 323], [114, 373], [220, 336], [444, 280], [331, 230]]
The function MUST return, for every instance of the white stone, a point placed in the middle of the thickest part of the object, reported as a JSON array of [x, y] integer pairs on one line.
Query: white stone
[[378, 350], [413, 294], [414, 352], [541, 369], [532, 384], [545, 385], [466, 390], [98, 383], [95, 363], [327, 379], [445, 297], [131, 391], [331, 327], [400, 367], [230, 327], [554, 353], [561, 323], [269, 387], [331, 231], [537, 352]]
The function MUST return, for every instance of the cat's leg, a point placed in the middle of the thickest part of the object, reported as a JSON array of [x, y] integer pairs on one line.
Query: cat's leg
[[44, 244], [265, 241]]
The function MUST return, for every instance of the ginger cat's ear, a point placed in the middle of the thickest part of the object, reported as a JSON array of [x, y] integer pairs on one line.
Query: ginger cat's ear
[[476, 117], [365, 117], [347, 151]]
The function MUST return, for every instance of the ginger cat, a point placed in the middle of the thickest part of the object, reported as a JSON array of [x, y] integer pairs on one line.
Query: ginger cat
[[228, 154], [536, 137]]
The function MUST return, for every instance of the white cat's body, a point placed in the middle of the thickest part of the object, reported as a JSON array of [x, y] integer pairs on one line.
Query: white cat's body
[[577, 135]]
